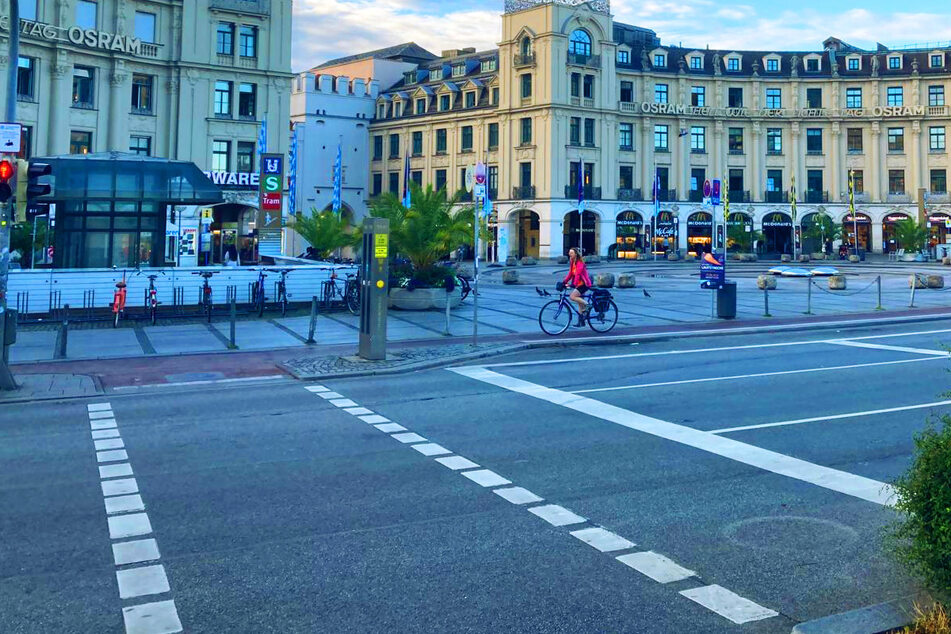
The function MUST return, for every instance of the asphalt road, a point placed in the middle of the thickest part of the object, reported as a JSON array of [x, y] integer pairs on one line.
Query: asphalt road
[[278, 508]]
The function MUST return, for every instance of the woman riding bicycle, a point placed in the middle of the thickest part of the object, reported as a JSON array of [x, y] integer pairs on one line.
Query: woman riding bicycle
[[578, 278]]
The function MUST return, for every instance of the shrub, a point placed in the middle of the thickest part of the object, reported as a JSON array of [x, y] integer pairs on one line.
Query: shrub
[[935, 620], [922, 538], [405, 276]]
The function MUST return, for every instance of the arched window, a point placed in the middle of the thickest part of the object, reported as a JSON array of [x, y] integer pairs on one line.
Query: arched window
[[580, 43], [526, 46]]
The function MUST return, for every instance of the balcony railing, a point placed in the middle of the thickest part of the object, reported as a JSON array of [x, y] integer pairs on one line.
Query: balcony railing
[[627, 106], [695, 196], [776, 197], [592, 61], [937, 111], [590, 193], [898, 197], [740, 196], [815, 197], [629, 194], [667, 195], [525, 60], [464, 196], [525, 192]]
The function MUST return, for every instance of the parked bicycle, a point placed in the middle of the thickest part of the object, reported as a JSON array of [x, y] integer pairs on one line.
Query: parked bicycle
[[349, 294], [555, 317], [118, 300], [282, 289], [152, 297], [258, 299], [205, 299]]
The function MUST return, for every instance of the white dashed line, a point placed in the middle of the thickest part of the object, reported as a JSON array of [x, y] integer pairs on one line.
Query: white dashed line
[[131, 525], [152, 618], [124, 504], [728, 604], [373, 419], [316, 388], [342, 402], [125, 486], [139, 582], [103, 424], [135, 552], [358, 411], [100, 414], [99, 407], [657, 567], [456, 462], [880, 346], [115, 470], [408, 438], [390, 427], [602, 540], [430, 449], [109, 443], [516, 495], [486, 478], [556, 515], [329, 395], [112, 456], [105, 433]]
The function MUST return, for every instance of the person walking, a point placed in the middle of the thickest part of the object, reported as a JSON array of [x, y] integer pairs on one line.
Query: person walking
[[578, 278]]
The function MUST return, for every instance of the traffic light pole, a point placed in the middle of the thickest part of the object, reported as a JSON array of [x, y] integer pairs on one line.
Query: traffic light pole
[[6, 209]]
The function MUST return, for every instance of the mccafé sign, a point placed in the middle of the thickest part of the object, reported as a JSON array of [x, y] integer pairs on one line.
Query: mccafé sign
[[90, 38]]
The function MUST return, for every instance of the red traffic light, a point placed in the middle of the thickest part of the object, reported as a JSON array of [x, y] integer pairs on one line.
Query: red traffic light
[[6, 170]]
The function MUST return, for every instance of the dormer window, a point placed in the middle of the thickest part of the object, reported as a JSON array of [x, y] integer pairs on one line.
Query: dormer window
[[420, 106], [398, 109], [660, 60], [772, 65], [470, 99], [894, 62], [445, 103], [459, 70], [733, 64], [489, 65], [936, 60], [409, 78], [381, 111], [696, 62], [623, 57], [854, 63], [812, 64], [435, 74]]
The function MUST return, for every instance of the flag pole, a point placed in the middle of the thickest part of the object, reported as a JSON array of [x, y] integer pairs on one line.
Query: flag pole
[[855, 221]]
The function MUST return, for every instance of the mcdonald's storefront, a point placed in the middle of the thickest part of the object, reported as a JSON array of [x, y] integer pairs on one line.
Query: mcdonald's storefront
[[631, 237]]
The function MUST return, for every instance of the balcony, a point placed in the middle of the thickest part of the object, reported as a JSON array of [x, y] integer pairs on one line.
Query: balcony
[[814, 152], [815, 197], [774, 152], [587, 103], [740, 196], [667, 195], [775, 197], [938, 111], [627, 106], [591, 61], [590, 193], [525, 192], [629, 194], [626, 147], [695, 196], [522, 61]]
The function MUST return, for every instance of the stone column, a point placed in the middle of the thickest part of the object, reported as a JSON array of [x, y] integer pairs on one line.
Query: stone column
[[58, 108], [835, 176], [872, 180], [797, 157], [878, 164], [647, 157], [913, 179], [118, 139], [680, 156], [171, 87], [758, 176]]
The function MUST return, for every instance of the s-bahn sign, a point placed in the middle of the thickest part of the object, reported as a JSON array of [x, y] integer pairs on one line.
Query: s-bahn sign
[[90, 38]]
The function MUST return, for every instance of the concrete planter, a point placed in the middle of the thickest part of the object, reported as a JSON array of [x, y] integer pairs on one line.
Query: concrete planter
[[592, 259], [764, 282], [785, 257], [803, 258], [672, 257], [854, 259], [909, 257], [626, 280], [836, 282], [424, 298], [562, 259], [817, 256], [604, 280], [935, 281], [510, 277], [511, 261], [946, 261], [918, 280], [528, 262], [689, 257], [465, 271]]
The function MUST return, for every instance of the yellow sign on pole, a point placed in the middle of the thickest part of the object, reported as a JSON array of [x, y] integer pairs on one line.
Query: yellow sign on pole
[[381, 245]]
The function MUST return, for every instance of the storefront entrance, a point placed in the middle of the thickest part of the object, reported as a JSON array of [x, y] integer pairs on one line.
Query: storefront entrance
[[890, 242], [665, 236], [526, 227], [233, 238], [777, 234], [700, 233], [864, 225], [740, 233], [585, 234], [939, 228], [630, 239]]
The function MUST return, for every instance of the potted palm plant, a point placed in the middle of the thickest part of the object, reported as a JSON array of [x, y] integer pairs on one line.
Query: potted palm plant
[[326, 232], [911, 237]]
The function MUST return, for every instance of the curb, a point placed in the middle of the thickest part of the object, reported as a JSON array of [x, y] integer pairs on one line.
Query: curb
[[872, 619]]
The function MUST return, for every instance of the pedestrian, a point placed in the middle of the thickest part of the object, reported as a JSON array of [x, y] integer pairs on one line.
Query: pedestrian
[[578, 278]]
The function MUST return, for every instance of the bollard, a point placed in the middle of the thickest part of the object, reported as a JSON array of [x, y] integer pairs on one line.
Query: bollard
[[63, 335], [879, 281], [234, 314], [313, 321], [809, 297], [766, 303], [914, 285]]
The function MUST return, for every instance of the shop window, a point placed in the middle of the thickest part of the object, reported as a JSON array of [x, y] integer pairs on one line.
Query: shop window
[[80, 142], [245, 156], [142, 94]]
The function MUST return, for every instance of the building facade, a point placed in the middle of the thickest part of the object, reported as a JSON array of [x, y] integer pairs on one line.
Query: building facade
[[570, 95], [190, 80]]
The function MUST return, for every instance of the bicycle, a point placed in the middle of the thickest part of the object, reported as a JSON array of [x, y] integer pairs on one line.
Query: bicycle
[[464, 286], [257, 293], [282, 289], [118, 300], [152, 297], [349, 295], [205, 298], [555, 317]]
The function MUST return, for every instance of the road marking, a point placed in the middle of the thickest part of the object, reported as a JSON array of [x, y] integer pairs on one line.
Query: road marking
[[109, 443], [374, 419], [112, 456], [131, 525], [329, 395], [139, 582], [243, 379], [342, 402], [390, 427], [556, 515], [850, 484], [99, 407], [728, 604], [879, 346], [124, 504], [748, 376], [97, 415], [357, 411], [135, 552], [152, 618], [408, 438], [316, 388], [430, 449], [816, 419], [124, 486], [516, 495], [115, 470], [456, 463], [486, 478], [657, 567], [103, 424], [105, 433], [602, 540]]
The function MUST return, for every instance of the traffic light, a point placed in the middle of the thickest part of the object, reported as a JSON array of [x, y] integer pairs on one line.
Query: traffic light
[[7, 170], [28, 187]]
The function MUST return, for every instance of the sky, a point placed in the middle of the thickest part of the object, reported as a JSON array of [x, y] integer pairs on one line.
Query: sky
[[325, 29]]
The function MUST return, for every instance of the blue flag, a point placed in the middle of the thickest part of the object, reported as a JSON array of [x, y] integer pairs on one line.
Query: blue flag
[[338, 168], [262, 137], [407, 197], [486, 204], [292, 173], [656, 192], [580, 186]]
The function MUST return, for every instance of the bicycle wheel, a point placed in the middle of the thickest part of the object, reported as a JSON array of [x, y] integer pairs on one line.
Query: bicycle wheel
[[554, 317], [115, 322], [208, 308], [353, 299], [603, 320], [464, 286], [154, 314], [259, 300]]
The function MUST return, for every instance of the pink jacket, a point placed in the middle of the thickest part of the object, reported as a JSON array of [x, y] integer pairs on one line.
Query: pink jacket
[[578, 275]]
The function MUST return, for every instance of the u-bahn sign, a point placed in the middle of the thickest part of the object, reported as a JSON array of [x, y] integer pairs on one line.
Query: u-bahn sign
[[272, 188]]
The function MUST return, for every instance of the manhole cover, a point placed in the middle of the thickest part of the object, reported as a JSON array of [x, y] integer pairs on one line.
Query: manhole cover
[[791, 533]]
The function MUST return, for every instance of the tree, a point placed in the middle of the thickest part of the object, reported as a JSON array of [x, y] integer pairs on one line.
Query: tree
[[21, 239], [430, 229], [326, 232], [910, 235], [822, 228]]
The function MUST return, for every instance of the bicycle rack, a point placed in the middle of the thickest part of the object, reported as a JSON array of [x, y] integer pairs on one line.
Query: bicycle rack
[[250, 293], [232, 294], [23, 305], [89, 302], [178, 300], [56, 303]]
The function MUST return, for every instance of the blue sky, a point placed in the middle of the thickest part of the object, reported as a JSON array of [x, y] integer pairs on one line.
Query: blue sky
[[324, 29]]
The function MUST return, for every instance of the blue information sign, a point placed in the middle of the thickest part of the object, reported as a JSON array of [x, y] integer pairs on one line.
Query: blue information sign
[[715, 197]]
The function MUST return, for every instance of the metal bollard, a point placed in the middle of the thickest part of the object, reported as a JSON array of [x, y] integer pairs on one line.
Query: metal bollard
[[766, 303], [234, 314], [313, 321], [879, 281], [448, 332], [809, 297], [914, 285], [61, 341]]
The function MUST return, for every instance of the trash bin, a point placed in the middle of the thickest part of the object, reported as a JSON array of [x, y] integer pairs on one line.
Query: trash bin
[[726, 300]]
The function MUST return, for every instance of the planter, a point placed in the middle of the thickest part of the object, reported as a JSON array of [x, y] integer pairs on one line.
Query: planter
[[918, 280], [817, 256], [528, 262], [424, 298], [511, 261], [465, 271], [785, 257], [836, 282], [592, 259], [673, 257], [604, 280], [946, 261], [764, 282], [803, 258], [935, 281], [510, 277], [689, 257], [626, 280], [854, 259]]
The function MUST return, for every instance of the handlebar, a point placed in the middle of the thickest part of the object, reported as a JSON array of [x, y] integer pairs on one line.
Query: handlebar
[[205, 274]]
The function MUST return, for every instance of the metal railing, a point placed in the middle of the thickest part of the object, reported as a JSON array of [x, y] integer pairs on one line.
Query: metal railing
[[590, 193], [591, 61], [525, 60], [814, 197], [525, 192], [629, 194], [775, 197]]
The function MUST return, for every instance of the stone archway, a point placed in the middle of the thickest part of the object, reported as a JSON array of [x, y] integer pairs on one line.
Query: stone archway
[[778, 233], [519, 236], [583, 233]]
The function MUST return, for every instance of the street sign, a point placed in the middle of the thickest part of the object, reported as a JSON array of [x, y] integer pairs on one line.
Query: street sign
[[478, 190], [11, 138], [715, 193], [707, 189], [381, 245], [270, 216], [470, 178], [480, 173], [712, 272]]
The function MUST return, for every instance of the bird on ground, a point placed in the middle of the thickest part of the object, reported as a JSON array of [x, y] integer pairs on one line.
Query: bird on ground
[[539, 291], [646, 294]]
